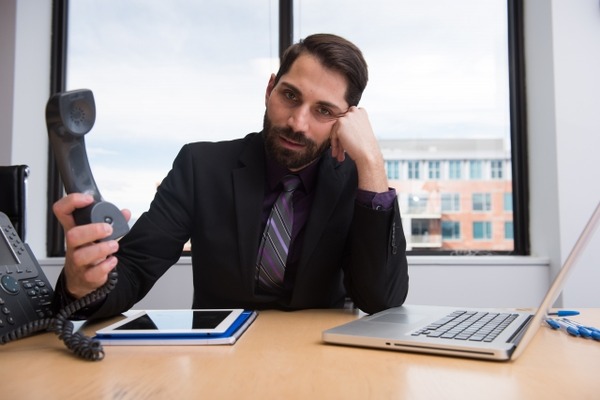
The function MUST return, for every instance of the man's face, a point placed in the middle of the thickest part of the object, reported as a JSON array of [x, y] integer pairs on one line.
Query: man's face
[[301, 111]]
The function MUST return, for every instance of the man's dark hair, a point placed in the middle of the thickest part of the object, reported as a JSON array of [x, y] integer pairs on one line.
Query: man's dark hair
[[336, 54]]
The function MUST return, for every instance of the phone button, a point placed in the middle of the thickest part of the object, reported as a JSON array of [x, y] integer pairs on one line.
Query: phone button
[[9, 284]]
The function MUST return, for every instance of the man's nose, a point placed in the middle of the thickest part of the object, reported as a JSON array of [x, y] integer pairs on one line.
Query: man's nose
[[298, 120]]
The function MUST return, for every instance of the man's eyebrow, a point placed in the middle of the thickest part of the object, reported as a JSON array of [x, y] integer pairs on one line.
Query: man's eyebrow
[[320, 102], [291, 87]]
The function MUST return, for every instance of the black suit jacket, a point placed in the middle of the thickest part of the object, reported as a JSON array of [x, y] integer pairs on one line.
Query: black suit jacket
[[214, 195]]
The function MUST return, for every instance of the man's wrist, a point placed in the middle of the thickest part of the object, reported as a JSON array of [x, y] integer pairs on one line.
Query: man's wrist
[[376, 200]]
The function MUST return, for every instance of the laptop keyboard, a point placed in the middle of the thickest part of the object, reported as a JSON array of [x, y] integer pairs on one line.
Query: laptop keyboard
[[468, 325]]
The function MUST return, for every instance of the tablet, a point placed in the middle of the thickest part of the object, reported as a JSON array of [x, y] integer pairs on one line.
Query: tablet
[[171, 323], [229, 337]]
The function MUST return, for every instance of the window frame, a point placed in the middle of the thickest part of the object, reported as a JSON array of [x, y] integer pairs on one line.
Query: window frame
[[433, 169], [413, 168], [483, 200], [508, 224], [455, 169], [486, 231], [476, 170], [518, 121], [455, 227], [496, 169], [453, 199]]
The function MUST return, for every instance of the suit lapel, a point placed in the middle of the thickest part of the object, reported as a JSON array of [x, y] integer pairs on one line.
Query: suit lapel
[[248, 190], [327, 192]]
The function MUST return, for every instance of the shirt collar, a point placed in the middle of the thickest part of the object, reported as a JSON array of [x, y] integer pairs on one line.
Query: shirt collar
[[308, 175]]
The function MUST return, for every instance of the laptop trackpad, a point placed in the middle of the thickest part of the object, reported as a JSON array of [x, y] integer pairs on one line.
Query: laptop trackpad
[[398, 318]]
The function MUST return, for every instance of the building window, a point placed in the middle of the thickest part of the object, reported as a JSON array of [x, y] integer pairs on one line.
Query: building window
[[497, 169], [482, 230], [475, 169], [482, 202], [508, 230], [454, 170], [450, 202], [393, 169], [420, 227], [434, 169], [414, 170], [450, 230], [417, 203], [508, 202]]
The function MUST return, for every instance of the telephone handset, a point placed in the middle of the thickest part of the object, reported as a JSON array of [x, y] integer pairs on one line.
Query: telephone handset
[[25, 293], [69, 116]]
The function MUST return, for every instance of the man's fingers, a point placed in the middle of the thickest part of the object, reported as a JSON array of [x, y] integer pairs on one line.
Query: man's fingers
[[81, 235], [90, 278], [63, 208], [94, 254]]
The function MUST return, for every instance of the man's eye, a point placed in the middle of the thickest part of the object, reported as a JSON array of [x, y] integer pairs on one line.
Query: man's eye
[[324, 112], [290, 95]]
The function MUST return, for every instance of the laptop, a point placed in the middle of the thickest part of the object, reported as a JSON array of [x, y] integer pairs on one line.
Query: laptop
[[454, 332]]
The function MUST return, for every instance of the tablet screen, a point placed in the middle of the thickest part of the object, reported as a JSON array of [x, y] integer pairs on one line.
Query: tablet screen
[[188, 322]]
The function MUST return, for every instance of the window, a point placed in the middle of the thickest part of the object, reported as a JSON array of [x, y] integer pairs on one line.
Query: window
[[160, 80], [454, 170], [497, 169], [393, 169], [482, 230], [482, 202], [420, 227], [450, 230], [414, 170], [417, 203], [508, 202], [434, 170], [167, 73], [475, 171], [450, 202], [508, 230]]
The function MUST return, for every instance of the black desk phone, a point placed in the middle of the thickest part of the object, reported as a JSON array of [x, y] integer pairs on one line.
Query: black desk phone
[[25, 293]]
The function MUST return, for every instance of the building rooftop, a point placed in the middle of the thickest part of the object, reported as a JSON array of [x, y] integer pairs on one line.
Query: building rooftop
[[444, 148]]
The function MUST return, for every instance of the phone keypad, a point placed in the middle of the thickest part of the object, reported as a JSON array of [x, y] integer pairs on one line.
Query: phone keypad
[[25, 293]]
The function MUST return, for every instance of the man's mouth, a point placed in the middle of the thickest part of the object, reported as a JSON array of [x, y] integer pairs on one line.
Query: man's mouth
[[289, 143]]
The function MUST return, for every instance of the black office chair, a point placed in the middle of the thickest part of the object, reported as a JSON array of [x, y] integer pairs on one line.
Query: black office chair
[[13, 185]]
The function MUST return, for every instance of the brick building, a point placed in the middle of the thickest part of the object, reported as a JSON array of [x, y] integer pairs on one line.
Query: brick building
[[454, 194]]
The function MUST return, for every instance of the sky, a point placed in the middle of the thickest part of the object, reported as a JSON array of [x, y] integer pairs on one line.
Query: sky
[[165, 73]]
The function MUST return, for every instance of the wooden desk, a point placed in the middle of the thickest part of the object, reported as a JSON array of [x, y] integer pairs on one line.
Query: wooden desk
[[281, 356]]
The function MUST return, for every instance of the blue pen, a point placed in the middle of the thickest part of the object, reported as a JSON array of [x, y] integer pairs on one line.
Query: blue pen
[[564, 313], [586, 331], [552, 323], [583, 331], [564, 326]]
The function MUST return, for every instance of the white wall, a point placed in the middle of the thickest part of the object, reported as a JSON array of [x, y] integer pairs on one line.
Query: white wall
[[461, 282], [563, 93], [25, 55], [8, 13], [563, 87]]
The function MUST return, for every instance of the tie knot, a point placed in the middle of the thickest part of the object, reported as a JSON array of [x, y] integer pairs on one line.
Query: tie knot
[[290, 183]]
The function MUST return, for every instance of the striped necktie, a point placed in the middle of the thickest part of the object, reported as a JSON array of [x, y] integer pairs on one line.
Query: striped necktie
[[273, 250]]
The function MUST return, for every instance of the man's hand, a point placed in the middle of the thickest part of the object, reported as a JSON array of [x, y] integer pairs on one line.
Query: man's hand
[[87, 261], [353, 134]]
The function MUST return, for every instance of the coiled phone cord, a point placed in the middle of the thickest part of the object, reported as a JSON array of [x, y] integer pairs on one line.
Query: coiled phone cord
[[83, 346]]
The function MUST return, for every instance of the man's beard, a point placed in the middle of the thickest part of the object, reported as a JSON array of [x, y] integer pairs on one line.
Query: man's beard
[[290, 159]]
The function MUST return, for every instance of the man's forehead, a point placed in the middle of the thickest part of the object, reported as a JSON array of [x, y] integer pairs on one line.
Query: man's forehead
[[310, 78]]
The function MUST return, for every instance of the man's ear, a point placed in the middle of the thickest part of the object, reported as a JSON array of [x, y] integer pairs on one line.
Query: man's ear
[[270, 87]]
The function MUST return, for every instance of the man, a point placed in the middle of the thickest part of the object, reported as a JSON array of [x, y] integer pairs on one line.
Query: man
[[346, 235]]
